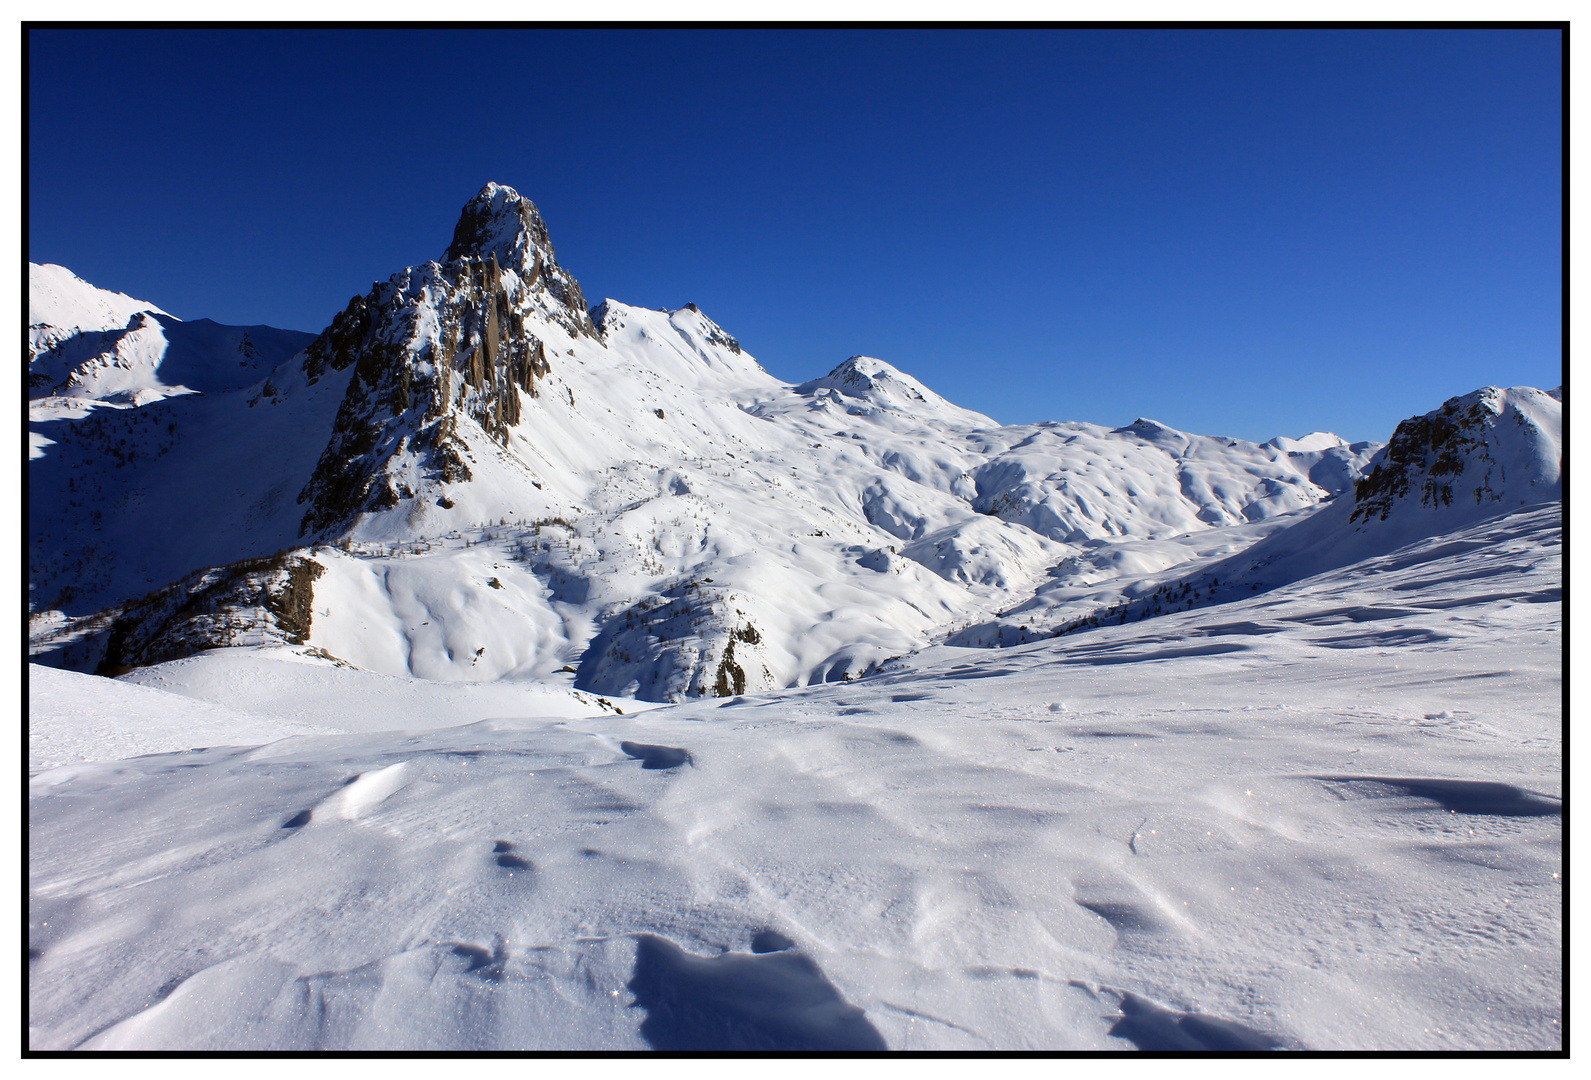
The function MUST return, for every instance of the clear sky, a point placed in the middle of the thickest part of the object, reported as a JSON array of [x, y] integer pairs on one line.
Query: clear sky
[[1244, 233]]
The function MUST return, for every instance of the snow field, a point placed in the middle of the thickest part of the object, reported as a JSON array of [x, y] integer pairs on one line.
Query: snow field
[[78, 718], [1152, 830], [297, 685]]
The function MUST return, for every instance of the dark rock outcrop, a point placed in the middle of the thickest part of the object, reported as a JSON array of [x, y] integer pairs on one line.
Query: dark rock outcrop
[[251, 602], [1431, 449], [1464, 452], [434, 342]]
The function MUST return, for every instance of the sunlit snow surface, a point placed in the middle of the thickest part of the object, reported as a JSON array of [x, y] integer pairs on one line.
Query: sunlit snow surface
[[1326, 817]]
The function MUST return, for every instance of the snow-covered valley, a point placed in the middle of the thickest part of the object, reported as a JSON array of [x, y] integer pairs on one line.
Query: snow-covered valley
[[495, 672]]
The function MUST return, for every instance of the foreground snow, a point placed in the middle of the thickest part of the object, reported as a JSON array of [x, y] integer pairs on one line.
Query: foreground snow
[[278, 692], [1325, 817]]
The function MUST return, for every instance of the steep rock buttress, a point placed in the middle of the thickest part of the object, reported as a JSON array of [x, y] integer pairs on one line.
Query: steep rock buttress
[[465, 336]]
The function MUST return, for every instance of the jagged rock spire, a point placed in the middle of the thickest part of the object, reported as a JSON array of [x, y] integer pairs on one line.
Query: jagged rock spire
[[461, 336], [499, 223]]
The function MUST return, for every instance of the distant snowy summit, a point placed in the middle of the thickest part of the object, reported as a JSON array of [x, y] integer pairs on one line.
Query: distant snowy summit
[[90, 345], [1490, 452], [865, 382], [1463, 453], [1486, 454], [61, 304], [471, 475]]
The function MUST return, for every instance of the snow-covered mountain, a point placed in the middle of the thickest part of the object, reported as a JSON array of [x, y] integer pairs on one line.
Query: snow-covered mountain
[[1488, 453], [492, 480], [61, 304], [651, 506], [91, 345]]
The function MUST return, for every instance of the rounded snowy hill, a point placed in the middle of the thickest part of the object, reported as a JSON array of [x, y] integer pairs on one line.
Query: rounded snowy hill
[[876, 388]]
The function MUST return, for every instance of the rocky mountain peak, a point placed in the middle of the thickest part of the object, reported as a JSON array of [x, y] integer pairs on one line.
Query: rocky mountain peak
[[499, 221], [462, 338], [502, 235], [866, 372], [1490, 450]]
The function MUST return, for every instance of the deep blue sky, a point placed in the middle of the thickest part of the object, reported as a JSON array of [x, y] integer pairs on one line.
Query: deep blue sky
[[1243, 233]]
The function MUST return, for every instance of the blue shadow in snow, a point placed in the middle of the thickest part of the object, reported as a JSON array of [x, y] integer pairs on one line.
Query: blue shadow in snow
[[657, 757], [1465, 796], [776, 1001], [1150, 1027]]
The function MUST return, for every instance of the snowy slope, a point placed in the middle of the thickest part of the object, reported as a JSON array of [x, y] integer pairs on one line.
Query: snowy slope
[[91, 345], [287, 684], [1480, 455], [61, 304], [122, 501], [654, 508], [79, 718], [1328, 818], [1485, 454], [156, 356]]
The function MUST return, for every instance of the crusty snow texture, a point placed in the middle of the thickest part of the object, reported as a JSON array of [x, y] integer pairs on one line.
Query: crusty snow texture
[[1325, 817]]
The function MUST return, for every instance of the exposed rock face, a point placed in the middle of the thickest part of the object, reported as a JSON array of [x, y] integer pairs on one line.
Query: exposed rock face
[[499, 223], [711, 648], [293, 605], [432, 342], [253, 602], [718, 336], [1463, 451], [336, 345]]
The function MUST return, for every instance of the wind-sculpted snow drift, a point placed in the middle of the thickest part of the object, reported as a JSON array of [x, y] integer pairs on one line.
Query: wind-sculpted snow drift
[[1327, 816], [497, 482]]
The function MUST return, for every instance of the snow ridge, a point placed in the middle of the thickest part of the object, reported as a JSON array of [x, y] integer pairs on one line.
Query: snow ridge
[[61, 304]]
